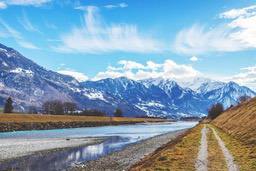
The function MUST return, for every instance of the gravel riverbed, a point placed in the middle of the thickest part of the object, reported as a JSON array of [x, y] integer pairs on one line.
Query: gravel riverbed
[[123, 160], [13, 148]]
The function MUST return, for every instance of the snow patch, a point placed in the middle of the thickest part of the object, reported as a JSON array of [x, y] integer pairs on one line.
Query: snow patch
[[3, 50], [1, 86], [95, 95], [5, 64], [152, 104], [22, 71]]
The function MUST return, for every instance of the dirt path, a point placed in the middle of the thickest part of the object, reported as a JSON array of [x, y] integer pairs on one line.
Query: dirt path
[[228, 156], [201, 162]]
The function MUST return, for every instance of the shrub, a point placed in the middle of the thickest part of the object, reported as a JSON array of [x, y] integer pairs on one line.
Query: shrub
[[215, 110], [8, 107], [92, 112], [118, 113]]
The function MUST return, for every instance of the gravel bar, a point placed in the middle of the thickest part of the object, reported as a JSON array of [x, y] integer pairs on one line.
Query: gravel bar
[[13, 148], [123, 160]]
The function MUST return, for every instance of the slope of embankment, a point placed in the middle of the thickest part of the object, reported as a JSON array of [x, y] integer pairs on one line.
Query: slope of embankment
[[240, 122]]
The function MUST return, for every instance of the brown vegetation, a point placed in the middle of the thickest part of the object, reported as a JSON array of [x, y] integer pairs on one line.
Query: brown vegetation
[[178, 155], [240, 122], [68, 118], [243, 153], [11, 122]]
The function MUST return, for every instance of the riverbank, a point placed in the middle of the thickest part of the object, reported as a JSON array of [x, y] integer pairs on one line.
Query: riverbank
[[16, 148], [124, 159], [19, 122]]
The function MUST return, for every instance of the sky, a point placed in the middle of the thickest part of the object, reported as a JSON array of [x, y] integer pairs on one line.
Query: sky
[[171, 39]]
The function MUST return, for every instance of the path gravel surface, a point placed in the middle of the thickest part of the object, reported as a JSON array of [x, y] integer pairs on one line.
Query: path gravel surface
[[228, 156], [201, 162]]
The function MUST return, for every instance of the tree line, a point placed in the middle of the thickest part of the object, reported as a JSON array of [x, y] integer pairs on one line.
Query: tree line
[[57, 107]]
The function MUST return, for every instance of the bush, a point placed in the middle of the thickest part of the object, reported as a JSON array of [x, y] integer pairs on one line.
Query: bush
[[244, 98], [92, 112], [118, 113], [215, 110], [57, 107], [8, 107]]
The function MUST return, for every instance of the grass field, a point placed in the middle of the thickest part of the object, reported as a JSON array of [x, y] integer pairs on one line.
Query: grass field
[[240, 122], [35, 118], [179, 155]]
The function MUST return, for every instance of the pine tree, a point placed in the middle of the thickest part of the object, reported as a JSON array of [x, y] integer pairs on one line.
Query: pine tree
[[8, 105]]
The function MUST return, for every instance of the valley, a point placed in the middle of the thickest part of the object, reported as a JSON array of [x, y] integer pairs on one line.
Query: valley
[[30, 85]]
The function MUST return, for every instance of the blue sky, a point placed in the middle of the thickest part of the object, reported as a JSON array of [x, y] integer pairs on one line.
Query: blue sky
[[176, 39]]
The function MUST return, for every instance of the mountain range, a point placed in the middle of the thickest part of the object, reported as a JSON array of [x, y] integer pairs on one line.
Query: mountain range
[[31, 85]]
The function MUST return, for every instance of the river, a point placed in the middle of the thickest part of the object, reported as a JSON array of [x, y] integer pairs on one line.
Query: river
[[118, 138]]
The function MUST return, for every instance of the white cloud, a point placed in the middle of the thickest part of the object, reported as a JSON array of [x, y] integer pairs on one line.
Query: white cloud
[[246, 77], [193, 59], [27, 2], [26, 23], [3, 5], [234, 13], [95, 37], [198, 40], [11, 32], [235, 34], [137, 71], [77, 75], [120, 5], [129, 65]]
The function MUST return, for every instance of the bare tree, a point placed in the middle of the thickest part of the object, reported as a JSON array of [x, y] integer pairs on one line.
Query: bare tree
[[54, 107], [69, 107], [244, 98], [215, 110]]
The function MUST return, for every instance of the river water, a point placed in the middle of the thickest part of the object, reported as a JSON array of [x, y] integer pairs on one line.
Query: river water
[[118, 138]]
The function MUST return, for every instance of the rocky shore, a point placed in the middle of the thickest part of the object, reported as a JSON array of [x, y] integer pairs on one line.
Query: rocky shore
[[123, 160]]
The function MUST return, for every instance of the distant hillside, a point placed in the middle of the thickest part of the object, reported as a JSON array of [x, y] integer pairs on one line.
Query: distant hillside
[[240, 121]]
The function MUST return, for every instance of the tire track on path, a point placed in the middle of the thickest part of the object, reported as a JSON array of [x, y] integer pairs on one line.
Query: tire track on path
[[228, 156], [201, 162]]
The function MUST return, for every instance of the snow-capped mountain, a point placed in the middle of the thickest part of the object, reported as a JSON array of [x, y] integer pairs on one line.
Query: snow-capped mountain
[[226, 93], [31, 85]]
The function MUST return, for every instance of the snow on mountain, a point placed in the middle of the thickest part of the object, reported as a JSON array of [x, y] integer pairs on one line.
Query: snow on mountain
[[227, 93], [31, 85]]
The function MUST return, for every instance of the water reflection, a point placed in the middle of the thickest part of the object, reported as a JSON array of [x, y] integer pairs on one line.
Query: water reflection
[[119, 137], [59, 160]]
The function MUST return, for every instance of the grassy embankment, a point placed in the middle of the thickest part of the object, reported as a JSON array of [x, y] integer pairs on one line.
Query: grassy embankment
[[10, 122], [240, 123], [236, 127], [177, 155]]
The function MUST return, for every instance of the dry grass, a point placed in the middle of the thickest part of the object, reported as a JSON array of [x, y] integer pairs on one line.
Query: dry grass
[[216, 160], [240, 122], [244, 154], [23, 118], [175, 156]]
